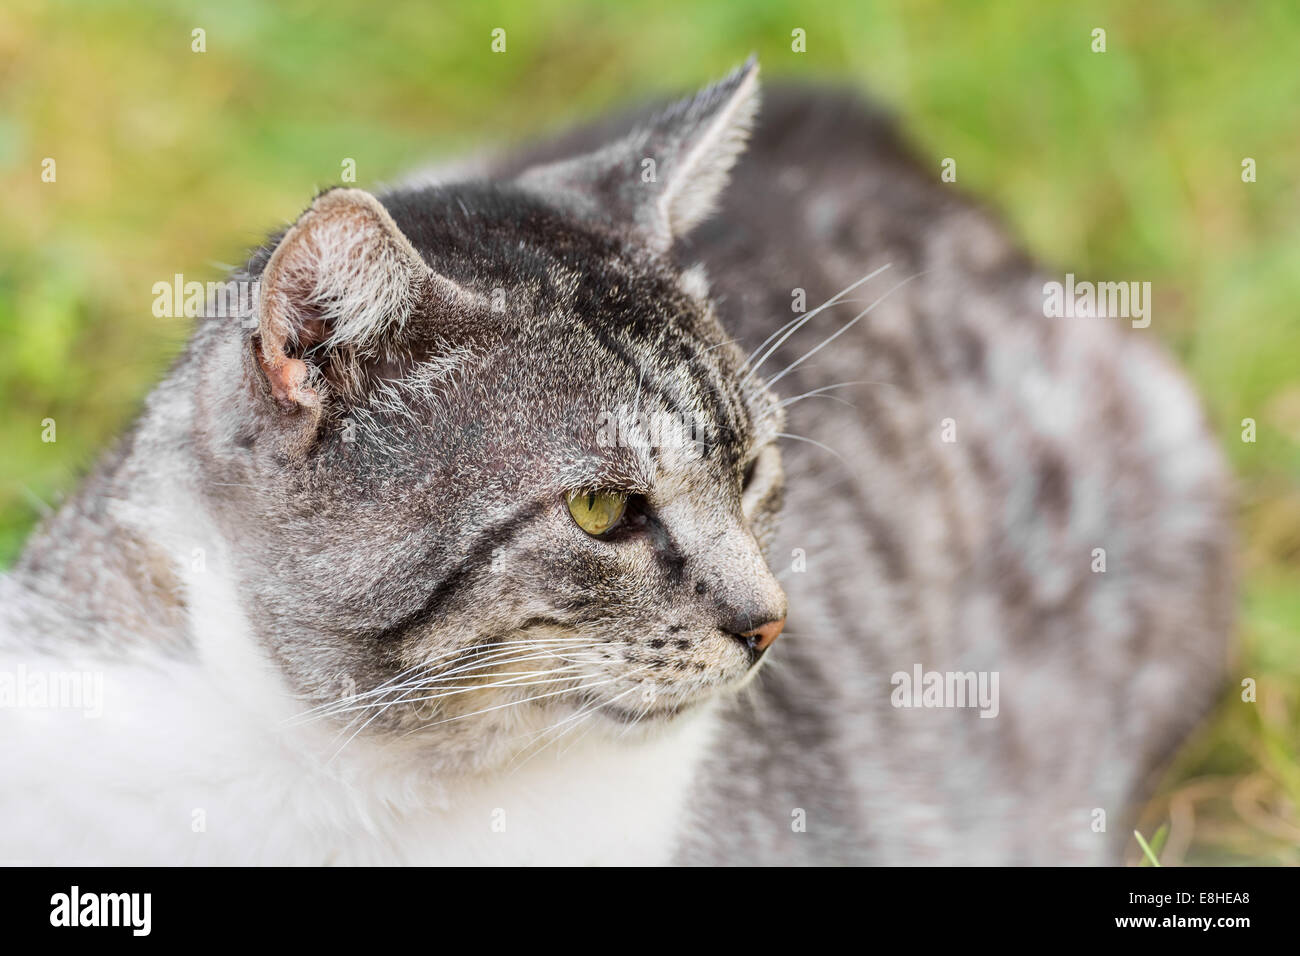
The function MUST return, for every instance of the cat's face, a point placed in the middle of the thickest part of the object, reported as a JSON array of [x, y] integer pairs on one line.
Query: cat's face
[[498, 467]]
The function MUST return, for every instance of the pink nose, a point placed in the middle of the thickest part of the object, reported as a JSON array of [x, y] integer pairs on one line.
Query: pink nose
[[761, 638]]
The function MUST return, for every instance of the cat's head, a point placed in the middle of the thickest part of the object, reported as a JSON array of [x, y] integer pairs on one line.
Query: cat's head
[[488, 461]]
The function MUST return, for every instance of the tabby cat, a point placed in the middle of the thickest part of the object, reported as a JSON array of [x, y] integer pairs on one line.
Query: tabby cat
[[401, 567]]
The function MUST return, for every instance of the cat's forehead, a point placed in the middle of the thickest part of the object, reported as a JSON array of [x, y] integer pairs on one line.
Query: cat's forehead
[[638, 400], [578, 340]]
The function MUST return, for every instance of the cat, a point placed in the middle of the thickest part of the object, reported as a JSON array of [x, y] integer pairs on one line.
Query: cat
[[395, 569]]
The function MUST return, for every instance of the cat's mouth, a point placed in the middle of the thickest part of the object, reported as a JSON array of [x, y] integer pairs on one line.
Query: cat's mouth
[[670, 704], [658, 708], [658, 702]]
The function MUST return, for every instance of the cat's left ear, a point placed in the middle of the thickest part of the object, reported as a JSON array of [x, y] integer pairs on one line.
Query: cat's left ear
[[666, 177], [341, 283]]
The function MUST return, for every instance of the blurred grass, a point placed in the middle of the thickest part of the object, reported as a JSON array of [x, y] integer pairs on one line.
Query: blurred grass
[[1120, 165]]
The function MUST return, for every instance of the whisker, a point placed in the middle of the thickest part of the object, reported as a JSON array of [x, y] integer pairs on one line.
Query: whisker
[[416, 686], [496, 660], [591, 710], [516, 703], [826, 388], [573, 720], [794, 325], [833, 398], [459, 716], [812, 441], [382, 706], [511, 681], [847, 325], [389, 685]]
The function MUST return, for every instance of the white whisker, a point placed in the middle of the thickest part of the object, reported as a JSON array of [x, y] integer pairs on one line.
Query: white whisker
[[814, 442], [389, 686], [847, 325], [826, 388], [794, 325]]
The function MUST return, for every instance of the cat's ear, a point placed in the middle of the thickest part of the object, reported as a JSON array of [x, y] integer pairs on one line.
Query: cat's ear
[[342, 282], [666, 177]]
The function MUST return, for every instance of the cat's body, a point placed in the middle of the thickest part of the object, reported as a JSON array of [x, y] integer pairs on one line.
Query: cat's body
[[217, 611], [977, 555]]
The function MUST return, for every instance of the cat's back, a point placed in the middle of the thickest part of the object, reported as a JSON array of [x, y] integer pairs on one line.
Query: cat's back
[[975, 488]]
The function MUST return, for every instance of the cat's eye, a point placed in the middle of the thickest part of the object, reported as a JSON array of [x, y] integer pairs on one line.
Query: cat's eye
[[597, 512]]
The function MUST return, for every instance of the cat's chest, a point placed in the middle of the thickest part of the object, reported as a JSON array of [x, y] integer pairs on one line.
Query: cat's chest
[[604, 802]]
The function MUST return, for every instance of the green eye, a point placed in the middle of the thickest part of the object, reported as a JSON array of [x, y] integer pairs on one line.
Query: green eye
[[597, 511]]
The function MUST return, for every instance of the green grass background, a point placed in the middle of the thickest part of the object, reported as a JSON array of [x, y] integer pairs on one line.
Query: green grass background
[[1120, 165]]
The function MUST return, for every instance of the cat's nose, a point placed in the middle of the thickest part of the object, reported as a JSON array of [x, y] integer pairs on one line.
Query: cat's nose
[[760, 638]]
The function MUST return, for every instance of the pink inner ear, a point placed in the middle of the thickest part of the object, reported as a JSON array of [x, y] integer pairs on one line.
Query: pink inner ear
[[287, 376]]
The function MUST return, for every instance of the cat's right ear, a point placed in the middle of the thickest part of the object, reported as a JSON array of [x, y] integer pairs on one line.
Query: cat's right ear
[[666, 177], [339, 287]]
